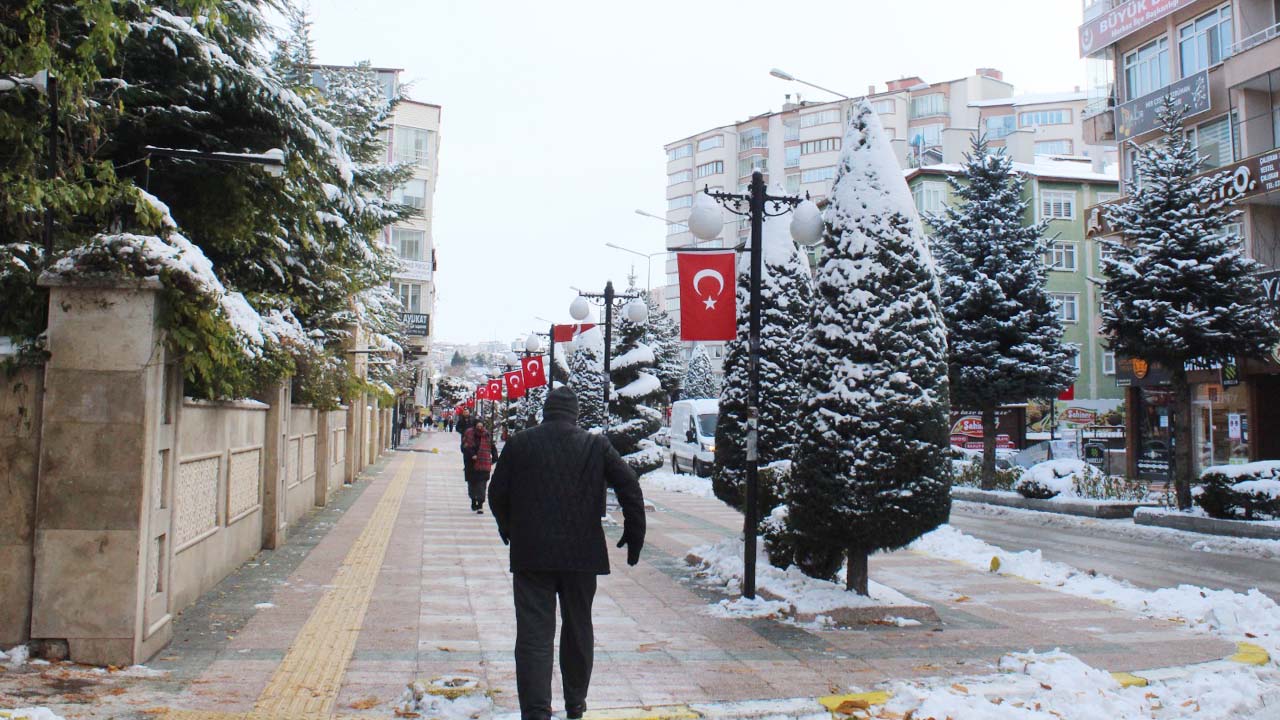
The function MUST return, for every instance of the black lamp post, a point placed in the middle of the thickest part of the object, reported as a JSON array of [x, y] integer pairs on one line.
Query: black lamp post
[[706, 222], [636, 311]]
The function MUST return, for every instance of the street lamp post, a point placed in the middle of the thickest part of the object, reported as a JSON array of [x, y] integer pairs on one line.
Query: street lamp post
[[648, 258], [635, 311], [706, 222]]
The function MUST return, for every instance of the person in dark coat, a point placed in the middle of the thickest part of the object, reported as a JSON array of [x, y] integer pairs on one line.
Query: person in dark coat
[[548, 497], [464, 421], [477, 444]]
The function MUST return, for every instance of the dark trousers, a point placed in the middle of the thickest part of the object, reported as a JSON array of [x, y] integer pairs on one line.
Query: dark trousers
[[477, 481], [535, 599]]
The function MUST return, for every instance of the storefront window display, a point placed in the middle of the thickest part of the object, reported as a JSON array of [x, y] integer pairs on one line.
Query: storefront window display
[[1219, 425], [1155, 434]]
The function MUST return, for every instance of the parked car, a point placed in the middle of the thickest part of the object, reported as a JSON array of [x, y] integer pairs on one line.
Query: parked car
[[693, 435], [663, 437]]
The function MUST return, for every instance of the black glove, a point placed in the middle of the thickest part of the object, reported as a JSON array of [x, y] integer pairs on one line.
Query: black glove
[[633, 547], [505, 540]]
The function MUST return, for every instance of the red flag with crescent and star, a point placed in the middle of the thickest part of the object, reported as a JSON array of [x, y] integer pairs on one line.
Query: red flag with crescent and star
[[515, 384], [566, 333], [708, 303], [534, 371], [495, 389], [482, 392]]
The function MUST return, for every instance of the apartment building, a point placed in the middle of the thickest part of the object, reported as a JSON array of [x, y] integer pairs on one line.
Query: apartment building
[[1222, 61]]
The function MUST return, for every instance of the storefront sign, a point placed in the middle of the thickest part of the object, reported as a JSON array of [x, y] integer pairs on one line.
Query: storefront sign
[[1136, 372], [966, 429], [1080, 416], [1123, 21], [1137, 117], [416, 323], [1095, 453]]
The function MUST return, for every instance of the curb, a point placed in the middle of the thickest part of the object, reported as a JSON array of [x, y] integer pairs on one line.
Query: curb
[[1247, 653]]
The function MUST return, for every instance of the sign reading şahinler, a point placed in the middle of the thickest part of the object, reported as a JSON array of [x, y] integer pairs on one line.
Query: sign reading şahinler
[[1123, 21], [1139, 116]]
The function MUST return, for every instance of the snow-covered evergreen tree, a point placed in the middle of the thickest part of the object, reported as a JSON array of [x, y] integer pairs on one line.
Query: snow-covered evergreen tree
[[662, 335], [587, 378], [787, 300], [1178, 287], [699, 378], [637, 394], [871, 470], [1004, 338]]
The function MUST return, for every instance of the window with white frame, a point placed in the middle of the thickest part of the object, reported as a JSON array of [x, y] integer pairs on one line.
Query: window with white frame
[[1057, 204], [1146, 69], [1068, 305], [409, 243], [679, 151], [1053, 147], [930, 197], [1075, 356], [676, 178], [712, 168], [1036, 118], [1234, 231], [821, 174], [1000, 126], [1212, 140], [884, 107], [410, 295], [822, 117], [929, 105], [1062, 256], [791, 129], [1104, 249], [1205, 41], [793, 183], [679, 201], [413, 193], [751, 163], [1106, 197], [412, 145], [675, 228], [717, 351], [930, 135], [817, 146], [1108, 362], [753, 138], [791, 156], [710, 143]]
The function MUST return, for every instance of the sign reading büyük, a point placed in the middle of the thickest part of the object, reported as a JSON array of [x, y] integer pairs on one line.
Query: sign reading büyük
[[1123, 21]]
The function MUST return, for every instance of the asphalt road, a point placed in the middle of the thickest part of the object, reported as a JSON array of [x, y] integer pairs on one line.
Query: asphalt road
[[1162, 560]]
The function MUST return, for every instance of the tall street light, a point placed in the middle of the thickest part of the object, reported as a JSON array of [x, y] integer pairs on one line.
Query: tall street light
[[648, 258], [706, 221], [634, 310], [784, 75]]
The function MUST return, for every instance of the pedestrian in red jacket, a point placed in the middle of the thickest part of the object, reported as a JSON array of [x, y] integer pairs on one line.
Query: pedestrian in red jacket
[[477, 448]]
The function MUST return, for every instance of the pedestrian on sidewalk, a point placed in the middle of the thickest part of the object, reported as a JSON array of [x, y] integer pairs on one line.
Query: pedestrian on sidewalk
[[548, 496], [477, 444]]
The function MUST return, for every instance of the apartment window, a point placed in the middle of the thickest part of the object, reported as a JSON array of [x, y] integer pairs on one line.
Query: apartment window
[[751, 163], [1213, 142], [793, 183], [1068, 305], [1062, 256], [929, 105], [413, 193], [1104, 197], [412, 145], [410, 295], [675, 228], [711, 168], [676, 178], [822, 117], [680, 201], [1146, 69], [1205, 41], [790, 129], [817, 146], [1075, 357], [1000, 127], [1108, 363], [1235, 232], [1053, 147], [711, 143], [930, 197], [717, 351], [1057, 205], [821, 174], [680, 151], [884, 107], [409, 243], [1036, 118], [753, 138], [792, 156]]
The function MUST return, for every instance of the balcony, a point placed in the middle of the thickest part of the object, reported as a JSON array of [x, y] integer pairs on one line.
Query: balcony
[[1252, 56]]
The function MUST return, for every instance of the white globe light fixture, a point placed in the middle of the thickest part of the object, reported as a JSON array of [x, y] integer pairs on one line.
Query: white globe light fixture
[[533, 343], [579, 309], [511, 358], [706, 220], [636, 311], [806, 224]]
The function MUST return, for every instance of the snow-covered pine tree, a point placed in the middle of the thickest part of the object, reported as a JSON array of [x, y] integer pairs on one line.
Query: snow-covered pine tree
[[663, 336], [787, 300], [699, 380], [587, 378], [1004, 338], [1177, 286], [871, 470], [637, 395]]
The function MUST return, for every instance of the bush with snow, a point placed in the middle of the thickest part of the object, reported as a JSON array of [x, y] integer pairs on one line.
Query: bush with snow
[[1248, 492], [1053, 478]]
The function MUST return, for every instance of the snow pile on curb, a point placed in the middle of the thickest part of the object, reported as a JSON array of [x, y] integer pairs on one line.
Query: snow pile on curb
[[445, 698], [664, 479], [1251, 617], [30, 713], [16, 656]]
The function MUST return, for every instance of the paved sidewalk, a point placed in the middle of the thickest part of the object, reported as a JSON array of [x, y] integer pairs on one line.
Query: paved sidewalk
[[399, 581]]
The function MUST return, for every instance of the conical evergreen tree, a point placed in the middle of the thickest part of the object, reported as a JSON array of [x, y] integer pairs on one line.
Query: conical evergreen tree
[[662, 335], [587, 378], [699, 378], [1177, 287], [1004, 338], [637, 391], [871, 470]]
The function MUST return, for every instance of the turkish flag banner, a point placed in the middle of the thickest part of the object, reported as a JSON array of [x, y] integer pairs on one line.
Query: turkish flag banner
[[566, 333], [1069, 394], [515, 383], [708, 306], [495, 389], [482, 392], [470, 403], [534, 369]]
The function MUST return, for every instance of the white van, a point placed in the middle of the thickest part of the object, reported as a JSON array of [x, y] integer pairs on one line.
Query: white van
[[693, 435]]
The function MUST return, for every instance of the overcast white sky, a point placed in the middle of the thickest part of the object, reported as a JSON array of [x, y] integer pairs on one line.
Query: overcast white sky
[[555, 112]]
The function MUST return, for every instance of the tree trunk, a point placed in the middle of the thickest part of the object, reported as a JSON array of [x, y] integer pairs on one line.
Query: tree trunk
[[855, 578], [1182, 441], [988, 481]]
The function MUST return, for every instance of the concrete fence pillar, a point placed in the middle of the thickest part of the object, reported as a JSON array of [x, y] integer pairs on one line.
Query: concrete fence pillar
[[324, 457], [21, 400], [275, 466]]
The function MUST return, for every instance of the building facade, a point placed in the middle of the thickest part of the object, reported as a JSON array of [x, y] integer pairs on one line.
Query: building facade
[[1222, 61]]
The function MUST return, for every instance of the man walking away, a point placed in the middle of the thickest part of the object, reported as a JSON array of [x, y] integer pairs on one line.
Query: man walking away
[[477, 445], [548, 495], [464, 422]]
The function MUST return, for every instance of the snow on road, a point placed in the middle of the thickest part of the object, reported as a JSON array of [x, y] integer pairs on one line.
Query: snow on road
[[664, 479]]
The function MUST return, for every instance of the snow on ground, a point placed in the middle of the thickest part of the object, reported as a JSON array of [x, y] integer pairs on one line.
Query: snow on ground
[[664, 479], [445, 698], [32, 713], [15, 656], [1251, 617]]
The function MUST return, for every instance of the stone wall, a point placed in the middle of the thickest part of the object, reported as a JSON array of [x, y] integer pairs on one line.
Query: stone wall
[[21, 396]]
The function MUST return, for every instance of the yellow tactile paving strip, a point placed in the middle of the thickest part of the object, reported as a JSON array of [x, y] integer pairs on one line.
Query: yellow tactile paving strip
[[306, 683]]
